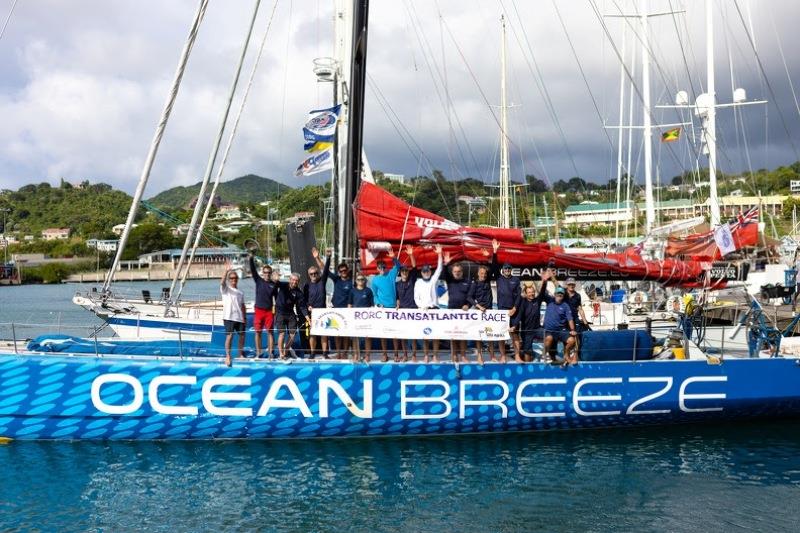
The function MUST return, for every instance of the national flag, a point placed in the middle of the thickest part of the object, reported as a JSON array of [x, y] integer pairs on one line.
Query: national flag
[[318, 162], [671, 135], [322, 122], [724, 239]]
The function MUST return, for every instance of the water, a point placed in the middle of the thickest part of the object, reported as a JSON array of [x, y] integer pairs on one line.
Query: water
[[689, 478]]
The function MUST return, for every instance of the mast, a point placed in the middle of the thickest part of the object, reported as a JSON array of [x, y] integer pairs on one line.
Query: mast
[[650, 208], [504, 169], [710, 129], [355, 131], [620, 131], [343, 34], [151, 154]]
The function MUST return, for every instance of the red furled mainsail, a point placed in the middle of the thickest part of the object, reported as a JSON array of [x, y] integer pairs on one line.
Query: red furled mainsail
[[383, 220]]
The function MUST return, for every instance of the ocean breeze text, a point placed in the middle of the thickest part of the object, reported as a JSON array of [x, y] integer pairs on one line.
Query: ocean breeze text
[[419, 398]]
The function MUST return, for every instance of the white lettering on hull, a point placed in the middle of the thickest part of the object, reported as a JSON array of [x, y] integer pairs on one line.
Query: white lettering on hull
[[533, 398]]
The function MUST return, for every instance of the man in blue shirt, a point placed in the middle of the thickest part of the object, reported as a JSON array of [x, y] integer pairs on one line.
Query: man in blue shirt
[[361, 296], [508, 294], [458, 287], [404, 287], [559, 325], [290, 307], [266, 288], [316, 296], [384, 290], [342, 287]]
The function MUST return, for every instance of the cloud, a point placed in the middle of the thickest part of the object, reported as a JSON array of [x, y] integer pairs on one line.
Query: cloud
[[82, 85]]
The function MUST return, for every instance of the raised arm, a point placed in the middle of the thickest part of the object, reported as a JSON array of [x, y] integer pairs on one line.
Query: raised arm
[[494, 273], [439, 266], [410, 253], [326, 270], [315, 255], [253, 269], [223, 283]]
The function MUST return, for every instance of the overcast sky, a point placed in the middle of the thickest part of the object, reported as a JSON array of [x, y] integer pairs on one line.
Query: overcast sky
[[82, 84]]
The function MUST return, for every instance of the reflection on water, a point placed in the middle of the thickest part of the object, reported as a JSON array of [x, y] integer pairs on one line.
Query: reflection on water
[[711, 478]]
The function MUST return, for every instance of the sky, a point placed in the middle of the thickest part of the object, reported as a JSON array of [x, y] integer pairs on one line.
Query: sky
[[82, 85]]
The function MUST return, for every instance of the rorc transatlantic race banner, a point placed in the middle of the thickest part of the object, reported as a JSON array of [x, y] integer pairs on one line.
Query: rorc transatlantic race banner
[[390, 323]]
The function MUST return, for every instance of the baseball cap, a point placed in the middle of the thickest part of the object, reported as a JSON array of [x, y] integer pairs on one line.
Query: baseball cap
[[560, 290], [570, 281], [426, 268], [380, 264], [506, 265]]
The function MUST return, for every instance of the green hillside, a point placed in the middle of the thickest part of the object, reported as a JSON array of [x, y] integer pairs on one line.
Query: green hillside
[[245, 189], [89, 210]]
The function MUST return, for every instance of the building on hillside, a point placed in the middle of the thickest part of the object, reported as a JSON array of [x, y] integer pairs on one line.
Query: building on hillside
[[234, 226], [680, 209], [103, 245], [119, 228], [229, 212], [595, 213], [794, 186], [730, 206], [52, 234], [203, 256], [397, 178]]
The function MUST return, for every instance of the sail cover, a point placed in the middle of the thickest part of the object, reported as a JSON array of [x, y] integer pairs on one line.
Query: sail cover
[[384, 220], [744, 231]]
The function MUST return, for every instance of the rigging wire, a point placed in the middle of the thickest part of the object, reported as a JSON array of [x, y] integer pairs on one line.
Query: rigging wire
[[751, 40], [285, 79], [538, 78], [395, 120], [8, 18]]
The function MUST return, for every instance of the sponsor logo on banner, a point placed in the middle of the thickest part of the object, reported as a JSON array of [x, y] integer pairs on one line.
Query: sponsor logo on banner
[[330, 321]]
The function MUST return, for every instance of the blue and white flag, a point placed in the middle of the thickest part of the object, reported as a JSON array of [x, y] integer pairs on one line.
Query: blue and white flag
[[322, 122], [318, 162], [315, 142], [724, 239]]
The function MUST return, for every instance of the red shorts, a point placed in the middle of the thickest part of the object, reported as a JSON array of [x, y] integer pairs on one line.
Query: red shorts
[[262, 319]]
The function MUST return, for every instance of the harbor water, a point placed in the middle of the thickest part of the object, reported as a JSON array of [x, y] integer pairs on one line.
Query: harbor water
[[712, 477]]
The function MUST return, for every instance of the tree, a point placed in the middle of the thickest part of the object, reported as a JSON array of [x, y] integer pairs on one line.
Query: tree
[[146, 238], [535, 184]]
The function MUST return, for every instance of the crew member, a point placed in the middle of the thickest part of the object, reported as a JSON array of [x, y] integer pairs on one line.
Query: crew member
[[385, 292], [559, 325], [263, 317], [404, 287], [342, 285], [361, 296], [508, 294], [316, 295], [573, 299], [458, 287], [426, 297], [234, 315], [527, 321], [480, 297], [290, 307]]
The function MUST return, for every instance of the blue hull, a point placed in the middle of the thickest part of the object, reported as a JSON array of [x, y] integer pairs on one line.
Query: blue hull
[[84, 397]]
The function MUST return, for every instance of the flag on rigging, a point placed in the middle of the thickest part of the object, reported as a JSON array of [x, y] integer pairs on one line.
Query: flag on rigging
[[724, 239], [322, 122], [317, 162], [671, 135], [316, 143]]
